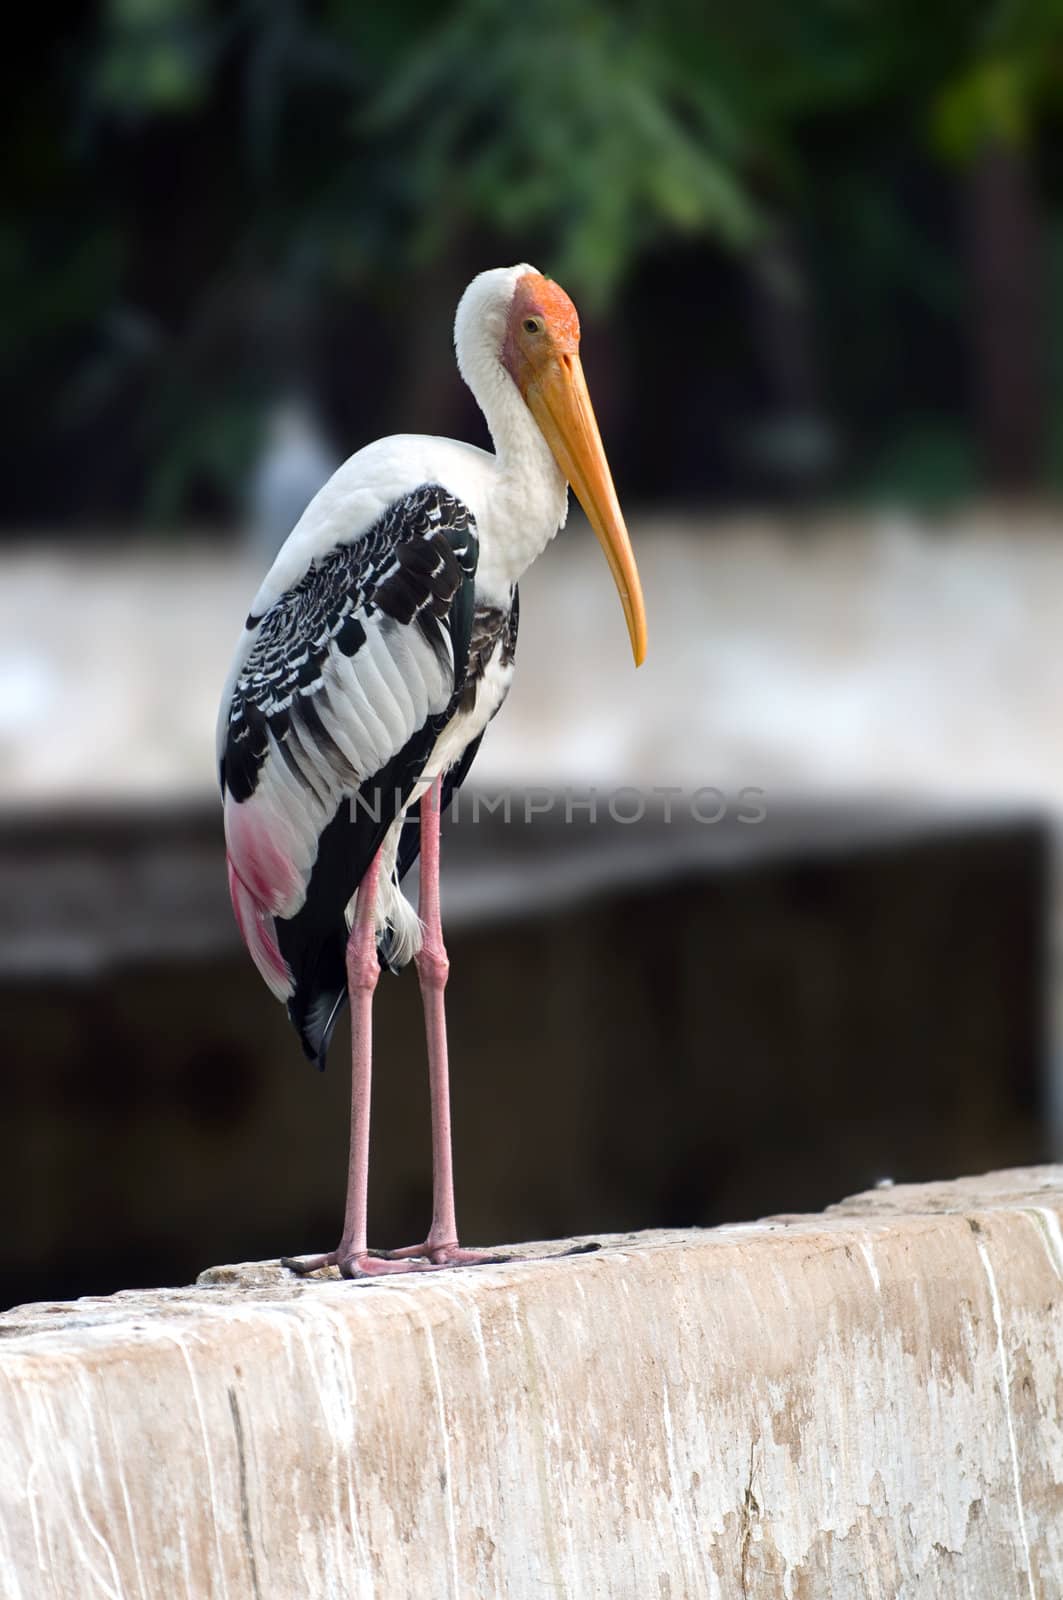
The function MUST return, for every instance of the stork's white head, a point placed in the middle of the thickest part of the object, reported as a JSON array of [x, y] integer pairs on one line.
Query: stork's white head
[[515, 327]]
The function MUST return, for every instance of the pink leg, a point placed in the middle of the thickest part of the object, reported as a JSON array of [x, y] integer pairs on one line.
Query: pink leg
[[363, 970], [441, 1247]]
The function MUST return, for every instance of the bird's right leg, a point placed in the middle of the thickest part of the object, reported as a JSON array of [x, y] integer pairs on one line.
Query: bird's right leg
[[441, 1246], [363, 970]]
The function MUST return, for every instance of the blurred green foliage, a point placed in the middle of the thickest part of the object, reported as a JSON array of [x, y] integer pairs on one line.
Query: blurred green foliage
[[1010, 73], [183, 169], [569, 119], [154, 56]]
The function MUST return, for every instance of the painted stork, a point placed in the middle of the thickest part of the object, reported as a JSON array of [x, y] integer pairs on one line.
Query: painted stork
[[375, 653]]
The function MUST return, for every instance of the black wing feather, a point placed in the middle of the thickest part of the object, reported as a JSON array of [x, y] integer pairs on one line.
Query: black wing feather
[[415, 568]]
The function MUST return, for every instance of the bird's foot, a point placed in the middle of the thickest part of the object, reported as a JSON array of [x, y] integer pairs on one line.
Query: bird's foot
[[447, 1253], [431, 1256], [378, 1263]]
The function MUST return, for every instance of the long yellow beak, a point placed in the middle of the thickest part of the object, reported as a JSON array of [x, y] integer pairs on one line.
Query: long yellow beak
[[558, 400]]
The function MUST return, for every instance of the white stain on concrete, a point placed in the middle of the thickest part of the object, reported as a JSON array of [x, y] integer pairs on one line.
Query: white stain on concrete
[[864, 1246], [1005, 1396]]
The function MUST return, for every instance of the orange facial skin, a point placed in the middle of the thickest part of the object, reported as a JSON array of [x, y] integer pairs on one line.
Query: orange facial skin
[[538, 299]]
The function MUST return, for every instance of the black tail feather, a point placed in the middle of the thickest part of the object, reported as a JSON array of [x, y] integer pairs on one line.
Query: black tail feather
[[315, 1007]]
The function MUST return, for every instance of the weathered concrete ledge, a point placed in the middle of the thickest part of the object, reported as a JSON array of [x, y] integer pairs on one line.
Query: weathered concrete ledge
[[867, 1403]]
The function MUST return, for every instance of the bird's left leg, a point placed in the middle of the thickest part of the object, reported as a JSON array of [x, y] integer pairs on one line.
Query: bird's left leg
[[363, 969], [441, 1247]]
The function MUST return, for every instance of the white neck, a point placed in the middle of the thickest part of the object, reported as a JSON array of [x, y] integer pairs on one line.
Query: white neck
[[531, 495]]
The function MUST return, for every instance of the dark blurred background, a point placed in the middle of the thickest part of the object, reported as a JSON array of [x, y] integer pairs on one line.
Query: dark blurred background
[[817, 252]]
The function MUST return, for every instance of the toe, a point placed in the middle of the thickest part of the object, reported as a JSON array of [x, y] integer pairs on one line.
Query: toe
[[304, 1264], [375, 1266]]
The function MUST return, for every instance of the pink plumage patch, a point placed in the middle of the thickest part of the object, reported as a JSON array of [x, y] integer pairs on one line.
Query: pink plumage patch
[[260, 862], [259, 933]]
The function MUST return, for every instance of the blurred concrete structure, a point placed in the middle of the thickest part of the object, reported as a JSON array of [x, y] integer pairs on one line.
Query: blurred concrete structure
[[652, 1025], [837, 657], [859, 1404]]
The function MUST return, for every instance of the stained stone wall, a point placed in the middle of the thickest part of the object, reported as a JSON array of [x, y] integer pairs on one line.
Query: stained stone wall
[[861, 1405]]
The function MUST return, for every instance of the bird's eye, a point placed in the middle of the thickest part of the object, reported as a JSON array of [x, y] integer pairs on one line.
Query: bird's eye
[[533, 325]]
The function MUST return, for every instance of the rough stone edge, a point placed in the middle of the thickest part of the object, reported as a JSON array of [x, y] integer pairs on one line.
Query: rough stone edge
[[267, 1282]]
